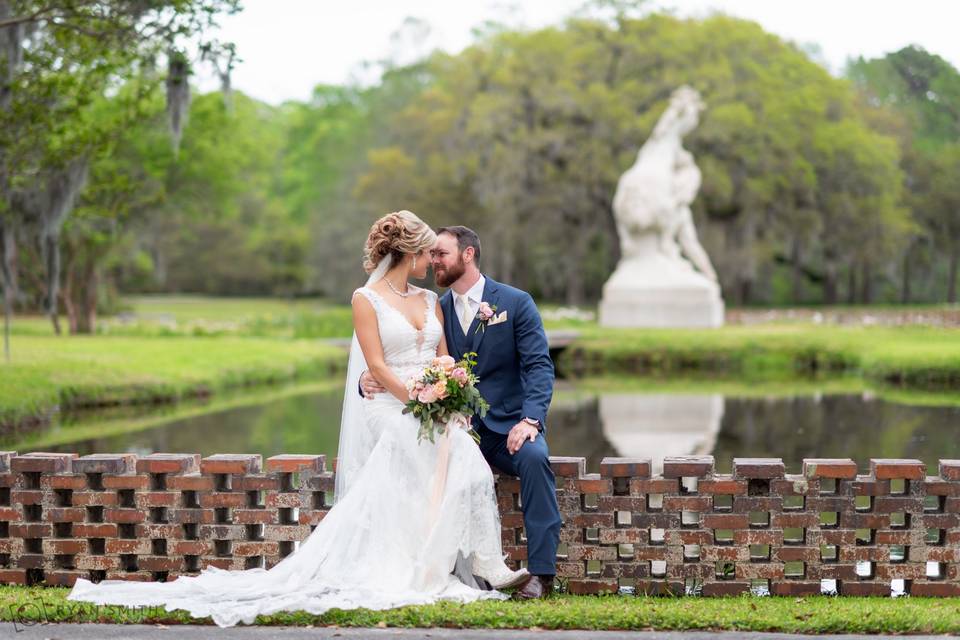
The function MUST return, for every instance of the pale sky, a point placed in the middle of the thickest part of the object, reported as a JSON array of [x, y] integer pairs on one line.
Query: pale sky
[[289, 46]]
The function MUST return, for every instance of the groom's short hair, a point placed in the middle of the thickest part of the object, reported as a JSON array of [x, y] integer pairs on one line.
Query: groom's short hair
[[466, 237]]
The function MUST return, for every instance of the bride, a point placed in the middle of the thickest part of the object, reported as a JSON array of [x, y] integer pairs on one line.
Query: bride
[[402, 529]]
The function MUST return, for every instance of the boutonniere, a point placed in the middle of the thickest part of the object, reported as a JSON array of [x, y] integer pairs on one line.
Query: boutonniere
[[486, 312]]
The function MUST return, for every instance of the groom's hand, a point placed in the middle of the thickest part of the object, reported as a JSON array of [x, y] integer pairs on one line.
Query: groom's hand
[[519, 434], [370, 385]]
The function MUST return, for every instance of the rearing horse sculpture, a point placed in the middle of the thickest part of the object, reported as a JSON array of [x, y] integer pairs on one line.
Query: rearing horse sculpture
[[652, 203]]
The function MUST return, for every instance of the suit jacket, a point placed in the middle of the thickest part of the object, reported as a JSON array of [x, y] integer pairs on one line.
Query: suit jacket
[[513, 358]]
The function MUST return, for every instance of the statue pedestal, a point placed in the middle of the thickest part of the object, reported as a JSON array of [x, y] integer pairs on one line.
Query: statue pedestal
[[653, 290]]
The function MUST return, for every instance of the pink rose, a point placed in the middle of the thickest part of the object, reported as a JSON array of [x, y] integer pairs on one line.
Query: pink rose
[[427, 395], [460, 375], [445, 362], [485, 311], [440, 390]]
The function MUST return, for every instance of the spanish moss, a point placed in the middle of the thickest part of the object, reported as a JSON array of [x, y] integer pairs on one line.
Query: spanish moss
[[178, 96]]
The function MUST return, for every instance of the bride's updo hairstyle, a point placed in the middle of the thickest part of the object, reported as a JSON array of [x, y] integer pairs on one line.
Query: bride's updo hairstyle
[[396, 234]]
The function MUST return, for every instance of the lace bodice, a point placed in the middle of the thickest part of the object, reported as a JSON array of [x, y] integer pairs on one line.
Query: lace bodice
[[405, 349]]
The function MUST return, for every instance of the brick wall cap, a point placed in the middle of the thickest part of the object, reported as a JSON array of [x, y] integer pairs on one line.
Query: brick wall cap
[[897, 468], [175, 463], [231, 463], [842, 468], [42, 461], [568, 466], [760, 468], [687, 466], [949, 469], [611, 467], [113, 463], [292, 462]]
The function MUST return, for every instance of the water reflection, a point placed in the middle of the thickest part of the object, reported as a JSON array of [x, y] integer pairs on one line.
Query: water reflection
[[592, 425], [660, 425], [858, 426]]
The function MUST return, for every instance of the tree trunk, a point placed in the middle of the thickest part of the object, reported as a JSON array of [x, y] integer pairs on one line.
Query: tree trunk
[[50, 245], [744, 290], [10, 256], [851, 284], [575, 290], [80, 287], [866, 284], [6, 233], [159, 266], [67, 292], [503, 271], [796, 273], [905, 283], [88, 301], [830, 294], [952, 273]]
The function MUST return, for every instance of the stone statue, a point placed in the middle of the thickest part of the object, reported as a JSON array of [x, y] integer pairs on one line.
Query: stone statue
[[655, 284]]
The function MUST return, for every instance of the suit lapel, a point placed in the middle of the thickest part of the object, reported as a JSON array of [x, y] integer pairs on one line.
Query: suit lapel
[[490, 289]]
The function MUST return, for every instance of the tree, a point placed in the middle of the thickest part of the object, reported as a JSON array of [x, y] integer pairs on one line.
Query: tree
[[924, 89], [524, 135], [56, 60]]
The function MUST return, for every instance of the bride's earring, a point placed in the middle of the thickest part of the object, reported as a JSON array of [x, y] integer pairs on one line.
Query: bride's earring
[[413, 268]]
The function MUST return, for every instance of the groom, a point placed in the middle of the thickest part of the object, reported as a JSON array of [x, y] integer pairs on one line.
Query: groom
[[502, 325]]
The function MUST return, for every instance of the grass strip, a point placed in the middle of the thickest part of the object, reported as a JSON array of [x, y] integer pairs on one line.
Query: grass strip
[[76, 371], [911, 356], [820, 614]]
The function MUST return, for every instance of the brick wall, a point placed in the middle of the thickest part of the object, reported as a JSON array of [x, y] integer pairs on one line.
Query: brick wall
[[163, 515]]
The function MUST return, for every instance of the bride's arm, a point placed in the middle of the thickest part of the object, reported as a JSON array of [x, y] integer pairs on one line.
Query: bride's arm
[[368, 335], [442, 347]]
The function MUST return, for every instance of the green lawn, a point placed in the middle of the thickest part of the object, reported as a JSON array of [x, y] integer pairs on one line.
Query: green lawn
[[914, 356], [821, 614], [198, 316], [46, 371]]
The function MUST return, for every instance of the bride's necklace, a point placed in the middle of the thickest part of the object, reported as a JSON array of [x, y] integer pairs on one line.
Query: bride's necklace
[[394, 289]]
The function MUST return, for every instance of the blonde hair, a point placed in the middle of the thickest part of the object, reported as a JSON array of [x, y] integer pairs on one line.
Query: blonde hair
[[397, 234]]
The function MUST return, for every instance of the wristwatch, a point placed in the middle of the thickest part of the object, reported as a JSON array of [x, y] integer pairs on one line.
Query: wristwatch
[[532, 422]]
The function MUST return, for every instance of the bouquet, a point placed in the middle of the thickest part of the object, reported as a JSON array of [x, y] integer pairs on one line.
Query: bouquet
[[443, 394]]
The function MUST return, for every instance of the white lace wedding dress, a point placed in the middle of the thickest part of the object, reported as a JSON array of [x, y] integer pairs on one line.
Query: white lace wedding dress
[[385, 543]]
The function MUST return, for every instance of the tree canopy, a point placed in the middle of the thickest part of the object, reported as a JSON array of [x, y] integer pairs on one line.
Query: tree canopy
[[816, 189]]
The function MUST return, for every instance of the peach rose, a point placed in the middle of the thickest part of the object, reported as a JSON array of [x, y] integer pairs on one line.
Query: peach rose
[[440, 390], [445, 362]]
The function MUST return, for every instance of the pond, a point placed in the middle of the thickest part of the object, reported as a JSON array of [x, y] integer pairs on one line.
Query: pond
[[586, 421]]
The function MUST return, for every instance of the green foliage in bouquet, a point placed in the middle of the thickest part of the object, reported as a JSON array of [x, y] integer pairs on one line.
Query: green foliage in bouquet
[[444, 392]]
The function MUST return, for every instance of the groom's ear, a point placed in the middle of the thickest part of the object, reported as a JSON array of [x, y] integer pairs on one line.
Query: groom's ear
[[469, 254]]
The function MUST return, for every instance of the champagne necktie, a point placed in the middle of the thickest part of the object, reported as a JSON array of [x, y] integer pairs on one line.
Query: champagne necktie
[[465, 317]]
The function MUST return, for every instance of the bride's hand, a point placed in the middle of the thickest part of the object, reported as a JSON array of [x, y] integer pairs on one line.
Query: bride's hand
[[370, 385]]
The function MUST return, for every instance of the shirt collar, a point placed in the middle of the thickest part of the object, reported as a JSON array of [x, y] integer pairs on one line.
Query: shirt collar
[[475, 293]]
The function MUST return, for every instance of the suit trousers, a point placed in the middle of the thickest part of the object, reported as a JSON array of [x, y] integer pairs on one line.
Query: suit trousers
[[538, 495]]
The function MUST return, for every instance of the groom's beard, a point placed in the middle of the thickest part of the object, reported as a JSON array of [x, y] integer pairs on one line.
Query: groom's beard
[[446, 277]]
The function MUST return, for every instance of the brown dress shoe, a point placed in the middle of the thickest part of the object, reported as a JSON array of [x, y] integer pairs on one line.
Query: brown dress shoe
[[535, 587]]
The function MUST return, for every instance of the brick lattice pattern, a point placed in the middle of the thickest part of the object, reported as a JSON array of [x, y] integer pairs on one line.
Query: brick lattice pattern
[[688, 529]]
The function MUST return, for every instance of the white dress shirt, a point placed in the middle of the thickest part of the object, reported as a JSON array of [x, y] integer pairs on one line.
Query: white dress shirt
[[474, 298]]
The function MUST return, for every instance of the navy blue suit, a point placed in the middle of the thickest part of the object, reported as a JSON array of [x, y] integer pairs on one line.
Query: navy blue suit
[[516, 378]]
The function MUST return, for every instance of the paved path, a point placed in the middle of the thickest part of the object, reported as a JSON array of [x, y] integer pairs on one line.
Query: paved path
[[199, 632]]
